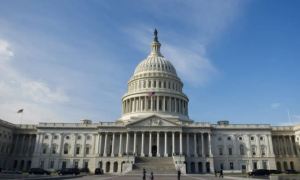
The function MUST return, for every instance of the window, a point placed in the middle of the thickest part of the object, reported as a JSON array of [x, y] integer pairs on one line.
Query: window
[[87, 150], [219, 138], [220, 151], [265, 164], [55, 137], [231, 165], [255, 165], [261, 138], [44, 149], [221, 166], [77, 150], [86, 164], [252, 138], [240, 138], [263, 150], [242, 150], [253, 150], [76, 164], [78, 137], [42, 164], [66, 149], [46, 136], [228, 138], [67, 137], [88, 137], [51, 164], [54, 147], [230, 151]]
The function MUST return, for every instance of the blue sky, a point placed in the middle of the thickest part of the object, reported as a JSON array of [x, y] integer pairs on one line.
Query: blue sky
[[63, 61]]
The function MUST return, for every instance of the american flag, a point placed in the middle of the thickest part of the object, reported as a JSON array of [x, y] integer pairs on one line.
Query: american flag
[[151, 93]]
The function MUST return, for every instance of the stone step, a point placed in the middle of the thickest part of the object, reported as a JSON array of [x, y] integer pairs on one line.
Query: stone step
[[157, 165]]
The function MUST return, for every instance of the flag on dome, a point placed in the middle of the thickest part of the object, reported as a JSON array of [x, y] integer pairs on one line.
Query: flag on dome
[[20, 111], [151, 93]]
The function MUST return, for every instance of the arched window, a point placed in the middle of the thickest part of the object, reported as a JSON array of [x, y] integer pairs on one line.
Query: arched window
[[253, 150]]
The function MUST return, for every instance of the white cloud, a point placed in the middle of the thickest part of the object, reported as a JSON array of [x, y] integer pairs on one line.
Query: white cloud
[[34, 96], [275, 105], [5, 50]]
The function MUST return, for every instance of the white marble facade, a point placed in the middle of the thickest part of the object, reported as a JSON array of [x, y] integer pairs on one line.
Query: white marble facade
[[154, 123]]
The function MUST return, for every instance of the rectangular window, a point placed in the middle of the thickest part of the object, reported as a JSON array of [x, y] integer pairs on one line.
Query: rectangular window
[[86, 164], [51, 164], [230, 151], [42, 164], [265, 165], [76, 164], [220, 151], [231, 165], [77, 150], [254, 165], [87, 150]]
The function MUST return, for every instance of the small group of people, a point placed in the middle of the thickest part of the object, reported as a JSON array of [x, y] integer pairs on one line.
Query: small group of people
[[144, 175], [152, 177], [221, 174]]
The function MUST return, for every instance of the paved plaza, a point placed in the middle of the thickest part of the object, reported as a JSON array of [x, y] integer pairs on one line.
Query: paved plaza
[[157, 177]]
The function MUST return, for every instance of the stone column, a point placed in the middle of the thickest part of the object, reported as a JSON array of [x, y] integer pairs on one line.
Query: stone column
[[285, 145], [74, 144], [180, 143], [209, 145], [127, 142], [202, 145], [95, 147], [140, 104], [36, 145], [152, 101], [21, 147], [29, 144], [150, 144], [157, 141], [133, 104], [173, 143], [113, 146], [105, 145], [134, 143], [270, 145], [164, 104], [143, 144], [16, 144], [166, 144], [146, 103], [169, 104], [187, 144], [195, 145], [292, 146], [175, 104], [61, 147], [100, 144], [84, 144], [120, 145], [157, 103]]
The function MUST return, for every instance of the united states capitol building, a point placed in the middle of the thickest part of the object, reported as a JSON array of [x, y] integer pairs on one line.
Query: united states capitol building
[[154, 132]]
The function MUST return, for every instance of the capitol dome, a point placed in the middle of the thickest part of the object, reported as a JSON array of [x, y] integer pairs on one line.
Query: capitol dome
[[155, 89]]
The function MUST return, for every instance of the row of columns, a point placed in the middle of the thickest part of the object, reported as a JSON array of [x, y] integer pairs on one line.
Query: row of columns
[[195, 153], [154, 84], [285, 146], [23, 144], [155, 103]]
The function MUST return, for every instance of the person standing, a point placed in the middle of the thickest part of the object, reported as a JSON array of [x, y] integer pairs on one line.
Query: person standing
[[144, 174], [151, 176], [221, 173], [178, 174]]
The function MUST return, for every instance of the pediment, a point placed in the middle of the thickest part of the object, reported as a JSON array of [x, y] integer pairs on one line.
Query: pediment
[[153, 121]]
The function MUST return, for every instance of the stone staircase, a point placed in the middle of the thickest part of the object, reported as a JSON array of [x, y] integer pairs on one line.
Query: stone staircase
[[158, 165]]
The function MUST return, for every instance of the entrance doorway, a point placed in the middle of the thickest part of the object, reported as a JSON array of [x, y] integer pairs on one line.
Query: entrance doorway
[[154, 150]]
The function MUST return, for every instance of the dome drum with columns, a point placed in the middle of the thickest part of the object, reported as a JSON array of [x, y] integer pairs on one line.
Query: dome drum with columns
[[155, 88]]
